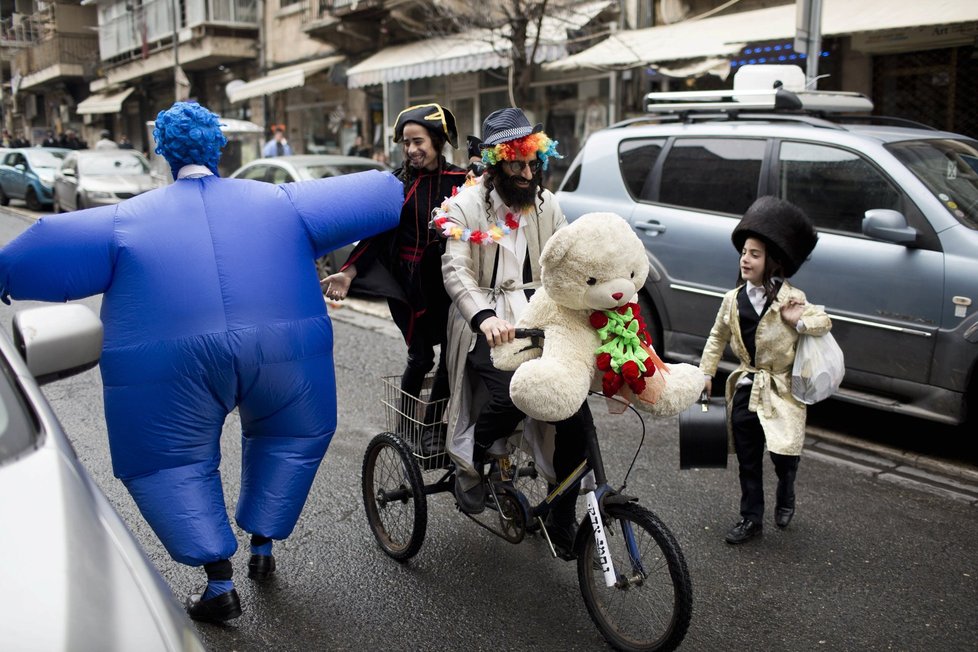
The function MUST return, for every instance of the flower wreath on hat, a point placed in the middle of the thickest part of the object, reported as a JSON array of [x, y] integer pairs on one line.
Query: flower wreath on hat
[[540, 144]]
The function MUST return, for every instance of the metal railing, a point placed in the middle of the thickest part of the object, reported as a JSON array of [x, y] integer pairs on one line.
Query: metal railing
[[58, 49], [153, 21]]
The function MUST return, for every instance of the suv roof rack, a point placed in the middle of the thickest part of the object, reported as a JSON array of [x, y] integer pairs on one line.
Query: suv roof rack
[[712, 116], [773, 100]]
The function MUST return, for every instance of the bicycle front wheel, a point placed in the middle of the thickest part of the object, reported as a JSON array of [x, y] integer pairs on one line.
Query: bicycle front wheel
[[393, 496], [651, 603]]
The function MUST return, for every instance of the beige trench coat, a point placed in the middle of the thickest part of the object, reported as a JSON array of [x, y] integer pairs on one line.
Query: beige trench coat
[[467, 269], [781, 415]]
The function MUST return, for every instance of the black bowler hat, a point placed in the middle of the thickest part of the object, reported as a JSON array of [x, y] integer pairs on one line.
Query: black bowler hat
[[782, 226], [505, 125], [433, 117]]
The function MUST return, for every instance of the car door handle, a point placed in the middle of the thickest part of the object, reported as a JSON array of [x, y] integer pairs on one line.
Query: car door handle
[[650, 227]]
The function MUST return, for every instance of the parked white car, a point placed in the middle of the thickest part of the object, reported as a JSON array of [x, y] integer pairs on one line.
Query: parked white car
[[72, 576]]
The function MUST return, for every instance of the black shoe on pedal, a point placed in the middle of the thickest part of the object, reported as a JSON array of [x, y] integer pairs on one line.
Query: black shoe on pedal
[[562, 536], [470, 501]]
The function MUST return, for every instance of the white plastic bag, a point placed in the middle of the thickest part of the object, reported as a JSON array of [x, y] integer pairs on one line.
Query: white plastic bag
[[818, 369]]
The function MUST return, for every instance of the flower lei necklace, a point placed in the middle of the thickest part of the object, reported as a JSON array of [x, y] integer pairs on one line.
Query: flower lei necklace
[[491, 235], [624, 356]]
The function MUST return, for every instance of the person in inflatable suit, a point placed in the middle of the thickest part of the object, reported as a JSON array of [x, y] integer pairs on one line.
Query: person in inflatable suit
[[211, 302]]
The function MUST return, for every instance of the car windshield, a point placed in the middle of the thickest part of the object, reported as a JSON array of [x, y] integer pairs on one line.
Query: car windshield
[[323, 171], [112, 164], [43, 159], [949, 169]]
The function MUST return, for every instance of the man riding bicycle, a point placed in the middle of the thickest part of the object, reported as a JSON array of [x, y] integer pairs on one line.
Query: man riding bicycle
[[496, 230]]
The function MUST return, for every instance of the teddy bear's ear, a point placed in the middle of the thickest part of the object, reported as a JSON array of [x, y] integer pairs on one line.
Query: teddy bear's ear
[[557, 247]]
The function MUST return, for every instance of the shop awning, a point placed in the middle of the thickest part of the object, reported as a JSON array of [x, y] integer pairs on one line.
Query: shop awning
[[103, 102], [282, 79], [469, 51], [722, 36]]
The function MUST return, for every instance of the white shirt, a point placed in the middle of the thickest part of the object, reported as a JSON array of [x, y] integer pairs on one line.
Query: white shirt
[[193, 171], [756, 295]]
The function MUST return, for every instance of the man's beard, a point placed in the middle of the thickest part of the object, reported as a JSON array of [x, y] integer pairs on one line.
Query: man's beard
[[513, 195]]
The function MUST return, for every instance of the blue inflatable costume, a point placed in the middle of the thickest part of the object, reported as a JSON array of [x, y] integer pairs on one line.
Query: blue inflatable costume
[[211, 302]]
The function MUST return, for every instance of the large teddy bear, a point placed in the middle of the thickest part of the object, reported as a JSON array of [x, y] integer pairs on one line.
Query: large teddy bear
[[594, 333]]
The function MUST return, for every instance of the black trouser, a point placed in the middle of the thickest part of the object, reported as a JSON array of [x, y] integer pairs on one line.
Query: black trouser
[[499, 417], [749, 443], [425, 335]]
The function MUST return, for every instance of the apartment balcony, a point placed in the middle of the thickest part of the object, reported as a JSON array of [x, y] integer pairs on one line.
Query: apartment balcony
[[56, 58], [359, 26], [139, 42]]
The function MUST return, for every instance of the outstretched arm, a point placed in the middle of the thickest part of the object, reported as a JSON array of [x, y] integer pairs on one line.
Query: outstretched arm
[[339, 210], [60, 257]]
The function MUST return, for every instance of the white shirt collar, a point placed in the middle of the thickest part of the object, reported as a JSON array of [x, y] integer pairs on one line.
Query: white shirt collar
[[194, 171]]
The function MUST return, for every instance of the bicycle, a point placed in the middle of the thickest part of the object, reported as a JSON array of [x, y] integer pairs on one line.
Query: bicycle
[[632, 573]]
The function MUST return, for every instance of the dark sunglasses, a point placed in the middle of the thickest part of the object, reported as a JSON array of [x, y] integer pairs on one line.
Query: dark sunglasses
[[517, 167], [477, 168]]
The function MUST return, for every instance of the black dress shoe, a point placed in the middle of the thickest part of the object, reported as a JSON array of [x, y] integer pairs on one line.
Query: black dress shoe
[[562, 536], [782, 516], [260, 567], [744, 531], [471, 501], [215, 610]]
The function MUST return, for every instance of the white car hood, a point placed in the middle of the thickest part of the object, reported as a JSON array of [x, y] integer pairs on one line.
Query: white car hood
[[65, 567]]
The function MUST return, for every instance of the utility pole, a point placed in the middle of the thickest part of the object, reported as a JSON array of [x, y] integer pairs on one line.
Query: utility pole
[[176, 54], [808, 37]]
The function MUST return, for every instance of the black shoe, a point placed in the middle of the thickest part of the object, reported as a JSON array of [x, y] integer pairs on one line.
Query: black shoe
[[472, 501], [215, 610], [562, 536], [260, 567], [782, 516], [744, 531]]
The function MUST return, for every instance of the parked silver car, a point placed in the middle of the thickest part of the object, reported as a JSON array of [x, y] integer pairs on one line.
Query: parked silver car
[[72, 575], [895, 204], [89, 178], [300, 167]]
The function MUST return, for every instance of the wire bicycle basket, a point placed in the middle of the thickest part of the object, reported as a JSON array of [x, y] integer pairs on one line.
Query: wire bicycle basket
[[418, 420]]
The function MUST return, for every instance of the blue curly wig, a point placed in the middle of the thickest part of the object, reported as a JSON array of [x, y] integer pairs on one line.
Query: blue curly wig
[[189, 134]]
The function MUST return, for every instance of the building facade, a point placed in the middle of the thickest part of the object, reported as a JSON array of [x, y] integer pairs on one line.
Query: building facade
[[332, 70]]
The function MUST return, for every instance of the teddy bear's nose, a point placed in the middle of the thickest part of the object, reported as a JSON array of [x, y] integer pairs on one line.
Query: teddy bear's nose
[[617, 295]]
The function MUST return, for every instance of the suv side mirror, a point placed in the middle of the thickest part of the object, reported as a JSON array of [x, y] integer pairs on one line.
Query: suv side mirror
[[888, 225]]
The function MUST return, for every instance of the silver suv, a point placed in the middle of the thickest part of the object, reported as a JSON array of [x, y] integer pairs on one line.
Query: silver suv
[[896, 208]]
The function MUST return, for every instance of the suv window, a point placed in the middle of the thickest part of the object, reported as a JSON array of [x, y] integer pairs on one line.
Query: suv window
[[713, 174], [256, 172], [949, 169], [636, 158], [834, 186]]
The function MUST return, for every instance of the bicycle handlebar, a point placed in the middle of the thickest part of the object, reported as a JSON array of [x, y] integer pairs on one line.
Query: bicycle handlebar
[[529, 332]]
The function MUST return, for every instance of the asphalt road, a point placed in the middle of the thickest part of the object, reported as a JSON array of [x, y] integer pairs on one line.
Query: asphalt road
[[869, 563]]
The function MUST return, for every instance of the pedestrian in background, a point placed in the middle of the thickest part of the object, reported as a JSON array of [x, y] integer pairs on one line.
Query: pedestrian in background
[[105, 141], [278, 145], [124, 142], [761, 319], [50, 140]]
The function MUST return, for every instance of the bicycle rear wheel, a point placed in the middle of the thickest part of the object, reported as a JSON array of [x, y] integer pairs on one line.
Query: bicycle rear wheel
[[393, 496], [650, 605]]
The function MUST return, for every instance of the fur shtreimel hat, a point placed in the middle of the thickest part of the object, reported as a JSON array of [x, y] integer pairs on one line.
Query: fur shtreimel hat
[[433, 117], [782, 226]]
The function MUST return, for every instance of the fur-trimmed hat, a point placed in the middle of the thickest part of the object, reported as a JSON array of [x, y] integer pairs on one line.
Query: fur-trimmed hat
[[782, 226], [433, 117]]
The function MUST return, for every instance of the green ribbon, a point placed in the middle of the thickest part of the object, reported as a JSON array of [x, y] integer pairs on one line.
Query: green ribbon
[[621, 340]]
